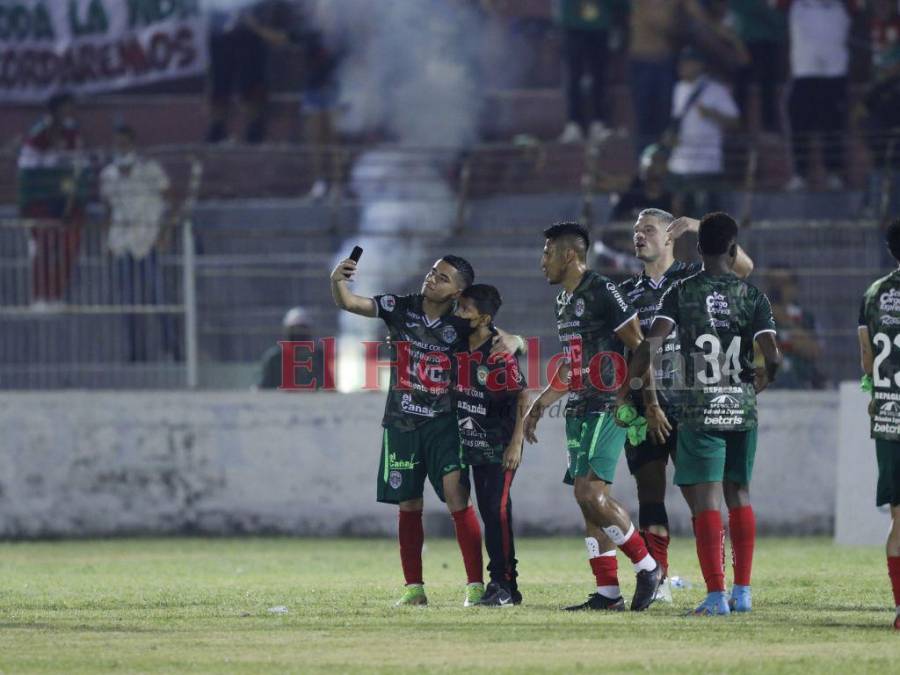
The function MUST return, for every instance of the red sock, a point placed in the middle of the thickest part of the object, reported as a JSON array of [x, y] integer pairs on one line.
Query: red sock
[[606, 570], [742, 527], [658, 545], [634, 547], [411, 536], [894, 572], [710, 546], [468, 534]]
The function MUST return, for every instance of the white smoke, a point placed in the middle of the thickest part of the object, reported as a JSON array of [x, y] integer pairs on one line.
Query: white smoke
[[409, 71]]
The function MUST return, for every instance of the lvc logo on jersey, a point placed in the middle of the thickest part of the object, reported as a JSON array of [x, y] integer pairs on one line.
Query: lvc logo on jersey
[[388, 302], [579, 307], [890, 301], [717, 303], [481, 374], [448, 335]]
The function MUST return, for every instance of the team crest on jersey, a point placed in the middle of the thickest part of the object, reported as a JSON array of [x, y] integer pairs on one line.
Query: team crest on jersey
[[481, 374], [388, 302], [395, 479], [449, 334], [579, 307], [890, 301]]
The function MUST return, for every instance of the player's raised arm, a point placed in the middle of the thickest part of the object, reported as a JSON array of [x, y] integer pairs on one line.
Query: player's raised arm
[[344, 298], [743, 263]]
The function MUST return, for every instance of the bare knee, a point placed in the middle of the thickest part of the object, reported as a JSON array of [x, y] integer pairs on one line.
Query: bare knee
[[736, 494], [456, 495], [412, 505]]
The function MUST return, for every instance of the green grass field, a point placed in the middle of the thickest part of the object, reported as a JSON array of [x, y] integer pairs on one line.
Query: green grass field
[[201, 605]]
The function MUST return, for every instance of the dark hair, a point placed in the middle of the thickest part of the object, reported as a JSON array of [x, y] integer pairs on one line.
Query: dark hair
[[462, 267], [892, 237], [57, 101], [575, 234], [717, 231], [486, 298], [127, 131]]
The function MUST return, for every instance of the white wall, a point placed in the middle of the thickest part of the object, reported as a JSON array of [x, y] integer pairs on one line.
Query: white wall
[[83, 463]]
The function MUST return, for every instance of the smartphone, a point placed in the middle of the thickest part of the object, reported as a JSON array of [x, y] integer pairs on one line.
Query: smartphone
[[356, 254]]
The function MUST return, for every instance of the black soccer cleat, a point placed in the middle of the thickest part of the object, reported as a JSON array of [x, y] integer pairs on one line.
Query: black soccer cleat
[[648, 582], [516, 596], [496, 595], [599, 602]]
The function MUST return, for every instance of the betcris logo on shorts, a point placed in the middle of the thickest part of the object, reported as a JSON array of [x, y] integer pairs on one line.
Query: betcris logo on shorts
[[723, 410]]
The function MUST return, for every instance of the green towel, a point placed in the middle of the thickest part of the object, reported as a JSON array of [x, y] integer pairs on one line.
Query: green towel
[[866, 384], [637, 424]]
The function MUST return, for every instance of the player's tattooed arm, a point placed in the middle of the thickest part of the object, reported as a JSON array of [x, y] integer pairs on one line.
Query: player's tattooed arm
[[555, 390], [772, 357], [512, 456], [346, 299], [507, 343], [640, 371], [743, 263]]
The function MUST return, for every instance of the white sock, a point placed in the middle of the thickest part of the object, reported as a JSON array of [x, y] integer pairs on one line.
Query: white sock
[[647, 563], [611, 592]]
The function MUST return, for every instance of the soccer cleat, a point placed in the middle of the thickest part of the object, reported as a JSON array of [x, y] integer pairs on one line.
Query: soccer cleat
[[496, 595], [664, 592], [516, 596], [648, 582], [596, 601], [741, 600], [474, 593], [413, 595], [715, 604]]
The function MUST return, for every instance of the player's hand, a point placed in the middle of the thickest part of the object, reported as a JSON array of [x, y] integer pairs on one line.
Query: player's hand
[[681, 225], [760, 379], [505, 344], [872, 408], [512, 456], [658, 425], [532, 417], [344, 270]]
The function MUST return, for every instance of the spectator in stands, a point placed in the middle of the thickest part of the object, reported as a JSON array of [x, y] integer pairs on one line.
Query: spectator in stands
[[796, 333], [53, 187], [711, 32], [761, 28], [702, 110], [239, 43], [319, 97], [586, 25], [820, 59], [134, 190], [649, 188], [297, 327], [878, 114]]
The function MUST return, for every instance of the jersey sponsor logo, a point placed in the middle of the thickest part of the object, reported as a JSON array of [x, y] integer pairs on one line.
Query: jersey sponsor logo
[[725, 400], [579, 307], [412, 325], [614, 291], [717, 304], [890, 301], [888, 320], [469, 425], [481, 374], [472, 408], [449, 335], [890, 408], [395, 479], [409, 406], [388, 302]]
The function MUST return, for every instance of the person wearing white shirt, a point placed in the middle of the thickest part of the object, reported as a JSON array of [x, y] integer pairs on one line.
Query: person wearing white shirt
[[703, 109], [820, 59], [134, 189]]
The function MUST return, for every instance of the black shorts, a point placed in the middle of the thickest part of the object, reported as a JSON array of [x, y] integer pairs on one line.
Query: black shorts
[[648, 451], [238, 63]]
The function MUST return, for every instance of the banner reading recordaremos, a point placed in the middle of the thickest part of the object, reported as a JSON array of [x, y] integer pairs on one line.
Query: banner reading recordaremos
[[89, 46]]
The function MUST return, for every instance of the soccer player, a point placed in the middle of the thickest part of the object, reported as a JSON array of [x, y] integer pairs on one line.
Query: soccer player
[[718, 317], [420, 437], [655, 232], [879, 346], [490, 399], [592, 316]]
